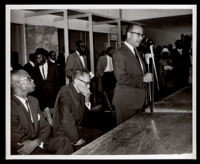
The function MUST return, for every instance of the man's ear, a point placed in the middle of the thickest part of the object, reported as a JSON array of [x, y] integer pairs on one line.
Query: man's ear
[[128, 35], [17, 84]]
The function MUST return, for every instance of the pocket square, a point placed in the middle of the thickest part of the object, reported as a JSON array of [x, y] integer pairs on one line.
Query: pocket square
[[38, 117]]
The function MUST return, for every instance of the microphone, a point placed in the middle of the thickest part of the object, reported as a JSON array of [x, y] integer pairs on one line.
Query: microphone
[[149, 42]]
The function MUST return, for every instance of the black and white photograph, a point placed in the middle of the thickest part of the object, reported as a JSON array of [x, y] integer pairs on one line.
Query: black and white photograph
[[101, 81]]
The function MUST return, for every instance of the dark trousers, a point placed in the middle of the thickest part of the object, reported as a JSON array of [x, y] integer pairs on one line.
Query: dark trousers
[[124, 114], [60, 145]]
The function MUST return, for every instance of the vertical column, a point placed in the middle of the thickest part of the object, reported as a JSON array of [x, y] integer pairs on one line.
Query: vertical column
[[66, 38], [108, 40], [66, 35], [24, 44], [119, 32], [91, 44]]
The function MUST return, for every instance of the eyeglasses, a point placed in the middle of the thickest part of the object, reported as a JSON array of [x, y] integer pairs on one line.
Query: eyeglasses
[[25, 78], [87, 83], [138, 34]]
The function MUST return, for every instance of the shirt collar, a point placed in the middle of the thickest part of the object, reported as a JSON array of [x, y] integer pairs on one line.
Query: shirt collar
[[129, 45], [21, 99], [45, 64], [53, 61], [31, 63], [77, 52]]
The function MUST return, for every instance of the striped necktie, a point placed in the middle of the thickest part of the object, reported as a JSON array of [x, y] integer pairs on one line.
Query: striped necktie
[[29, 110]]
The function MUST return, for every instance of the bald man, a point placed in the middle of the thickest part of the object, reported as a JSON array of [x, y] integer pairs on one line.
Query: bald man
[[29, 129], [30, 132]]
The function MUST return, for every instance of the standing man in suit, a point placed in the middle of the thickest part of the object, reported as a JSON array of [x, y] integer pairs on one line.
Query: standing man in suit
[[76, 60], [181, 59], [29, 67], [72, 102], [130, 72], [29, 129], [46, 79]]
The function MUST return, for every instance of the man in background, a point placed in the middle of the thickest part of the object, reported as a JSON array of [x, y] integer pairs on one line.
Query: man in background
[[46, 79], [29, 67], [76, 60]]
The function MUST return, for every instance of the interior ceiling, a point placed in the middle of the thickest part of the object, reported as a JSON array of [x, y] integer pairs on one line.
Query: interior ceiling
[[150, 22], [167, 21]]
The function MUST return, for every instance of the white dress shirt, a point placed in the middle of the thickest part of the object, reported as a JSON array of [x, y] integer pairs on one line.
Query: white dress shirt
[[45, 65], [109, 66], [81, 58]]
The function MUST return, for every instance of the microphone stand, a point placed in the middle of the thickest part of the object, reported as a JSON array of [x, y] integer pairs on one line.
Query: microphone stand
[[154, 71], [150, 93], [154, 66]]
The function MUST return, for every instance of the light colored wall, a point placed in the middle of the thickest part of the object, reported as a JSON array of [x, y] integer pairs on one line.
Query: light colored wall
[[139, 14], [168, 35]]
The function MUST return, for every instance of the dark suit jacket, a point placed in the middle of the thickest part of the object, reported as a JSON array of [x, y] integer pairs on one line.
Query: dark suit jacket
[[21, 126], [47, 89], [73, 63], [68, 113], [29, 68], [130, 88]]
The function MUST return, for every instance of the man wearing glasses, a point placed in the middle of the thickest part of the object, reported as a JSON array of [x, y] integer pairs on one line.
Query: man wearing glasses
[[71, 104], [29, 129], [130, 72]]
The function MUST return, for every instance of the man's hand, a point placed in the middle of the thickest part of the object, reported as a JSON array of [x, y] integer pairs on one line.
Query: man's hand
[[86, 92], [168, 67], [28, 146], [79, 142], [148, 77]]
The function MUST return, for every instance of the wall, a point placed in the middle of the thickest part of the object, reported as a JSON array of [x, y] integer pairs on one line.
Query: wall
[[139, 14], [17, 41], [167, 35]]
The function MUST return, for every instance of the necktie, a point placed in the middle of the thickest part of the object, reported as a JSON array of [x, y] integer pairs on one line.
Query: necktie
[[43, 72], [136, 55], [138, 58], [29, 110]]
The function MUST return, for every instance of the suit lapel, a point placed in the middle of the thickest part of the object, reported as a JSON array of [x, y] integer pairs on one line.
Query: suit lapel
[[23, 110], [48, 70], [79, 60], [38, 73], [130, 54]]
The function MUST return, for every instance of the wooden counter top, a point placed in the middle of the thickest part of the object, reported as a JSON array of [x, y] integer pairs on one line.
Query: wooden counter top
[[148, 133]]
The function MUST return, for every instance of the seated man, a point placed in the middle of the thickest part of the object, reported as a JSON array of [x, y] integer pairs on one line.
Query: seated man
[[71, 104], [29, 129]]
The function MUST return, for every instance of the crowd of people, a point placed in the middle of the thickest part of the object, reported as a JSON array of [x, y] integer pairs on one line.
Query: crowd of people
[[49, 81]]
